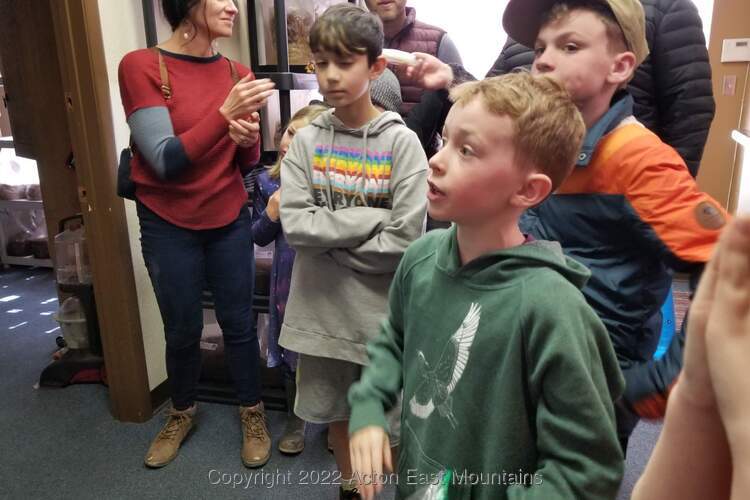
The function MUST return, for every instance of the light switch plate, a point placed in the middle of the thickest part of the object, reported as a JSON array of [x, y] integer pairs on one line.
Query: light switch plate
[[735, 50], [730, 85]]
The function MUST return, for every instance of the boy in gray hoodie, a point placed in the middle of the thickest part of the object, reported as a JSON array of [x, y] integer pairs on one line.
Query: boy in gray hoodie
[[353, 196]]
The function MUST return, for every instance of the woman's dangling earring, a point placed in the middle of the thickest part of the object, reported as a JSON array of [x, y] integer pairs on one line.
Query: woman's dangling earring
[[186, 33]]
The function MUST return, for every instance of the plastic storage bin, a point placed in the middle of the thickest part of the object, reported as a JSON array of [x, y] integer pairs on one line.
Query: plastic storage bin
[[71, 256], [73, 323]]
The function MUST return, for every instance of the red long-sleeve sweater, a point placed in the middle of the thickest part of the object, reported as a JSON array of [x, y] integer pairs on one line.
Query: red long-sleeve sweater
[[209, 194]]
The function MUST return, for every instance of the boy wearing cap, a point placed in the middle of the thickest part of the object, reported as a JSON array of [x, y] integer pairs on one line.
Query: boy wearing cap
[[630, 211]]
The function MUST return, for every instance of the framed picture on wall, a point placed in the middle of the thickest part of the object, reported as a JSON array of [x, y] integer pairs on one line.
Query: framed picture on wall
[[271, 126], [300, 16]]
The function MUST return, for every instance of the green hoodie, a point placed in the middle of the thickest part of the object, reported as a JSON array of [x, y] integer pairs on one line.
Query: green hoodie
[[508, 375]]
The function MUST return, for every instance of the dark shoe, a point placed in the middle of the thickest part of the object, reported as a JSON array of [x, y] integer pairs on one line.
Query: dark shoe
[[167, 443], [349, 494], [293, 440], [256, 442]]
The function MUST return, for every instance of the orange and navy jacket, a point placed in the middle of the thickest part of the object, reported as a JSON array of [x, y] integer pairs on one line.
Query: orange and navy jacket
[[632, 213]]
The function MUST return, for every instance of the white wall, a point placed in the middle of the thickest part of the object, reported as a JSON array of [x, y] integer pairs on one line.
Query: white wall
[[476, 27], [706, 11], [123, 31]]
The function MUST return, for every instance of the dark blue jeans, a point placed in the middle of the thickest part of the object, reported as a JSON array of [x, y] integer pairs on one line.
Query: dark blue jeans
[[181, 262]]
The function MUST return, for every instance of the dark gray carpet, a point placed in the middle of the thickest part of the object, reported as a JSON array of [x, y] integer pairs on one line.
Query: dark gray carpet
[[63, 443], [639, 449]]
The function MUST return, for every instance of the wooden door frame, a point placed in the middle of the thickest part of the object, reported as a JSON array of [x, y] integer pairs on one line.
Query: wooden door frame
[[86, 92]]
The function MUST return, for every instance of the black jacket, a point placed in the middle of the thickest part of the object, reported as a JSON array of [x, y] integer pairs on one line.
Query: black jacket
[[427, 118], [672, 88]]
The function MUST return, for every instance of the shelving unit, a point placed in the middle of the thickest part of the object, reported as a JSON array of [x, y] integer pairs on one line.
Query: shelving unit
[[287, 77], [4, 121], [6, 142], [18, 205], [22, 205]]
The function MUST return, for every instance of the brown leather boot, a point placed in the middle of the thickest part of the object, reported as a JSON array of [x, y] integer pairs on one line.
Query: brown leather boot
[[256, 442], [167, 443]]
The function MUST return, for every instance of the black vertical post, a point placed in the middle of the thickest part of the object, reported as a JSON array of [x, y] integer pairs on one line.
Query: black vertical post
[[282, 56], [150, 22], [253, 35]]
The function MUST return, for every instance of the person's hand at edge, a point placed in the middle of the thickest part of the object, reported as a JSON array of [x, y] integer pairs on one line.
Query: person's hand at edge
[[370, 452], [245, 133], [430, 72], [246, 97]]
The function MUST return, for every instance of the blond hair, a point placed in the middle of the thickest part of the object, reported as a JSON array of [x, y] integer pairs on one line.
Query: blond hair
[[304, 116], [548, 128]]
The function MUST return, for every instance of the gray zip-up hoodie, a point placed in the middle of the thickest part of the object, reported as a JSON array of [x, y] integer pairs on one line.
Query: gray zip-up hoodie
[[350, 221]]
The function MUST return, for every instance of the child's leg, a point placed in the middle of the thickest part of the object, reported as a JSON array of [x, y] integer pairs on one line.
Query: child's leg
[[339, 435], [292, 441], [394, 456], [626, 421], [322, 387]]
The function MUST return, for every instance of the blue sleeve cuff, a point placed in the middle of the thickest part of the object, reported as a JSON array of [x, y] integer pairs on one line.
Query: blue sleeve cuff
[[265, 230]]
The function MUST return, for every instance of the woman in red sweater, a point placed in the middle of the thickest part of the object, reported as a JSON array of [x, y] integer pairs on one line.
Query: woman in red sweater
[[194, 139]]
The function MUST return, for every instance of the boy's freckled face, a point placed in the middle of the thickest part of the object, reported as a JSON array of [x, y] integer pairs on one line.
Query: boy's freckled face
[[574, 50], [474, 175], [342, 79]]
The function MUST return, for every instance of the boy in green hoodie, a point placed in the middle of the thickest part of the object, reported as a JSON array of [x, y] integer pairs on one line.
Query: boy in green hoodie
[[508, 376], [353, 197]]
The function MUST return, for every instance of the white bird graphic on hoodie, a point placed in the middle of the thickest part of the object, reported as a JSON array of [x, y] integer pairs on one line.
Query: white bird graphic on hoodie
[[438, 384]]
